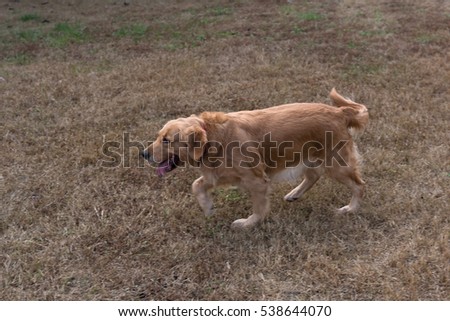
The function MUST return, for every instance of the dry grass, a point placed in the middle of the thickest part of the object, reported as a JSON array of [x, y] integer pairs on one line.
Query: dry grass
[[80, 72]]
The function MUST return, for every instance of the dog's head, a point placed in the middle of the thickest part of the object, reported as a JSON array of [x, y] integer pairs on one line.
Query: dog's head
[[180, 141]]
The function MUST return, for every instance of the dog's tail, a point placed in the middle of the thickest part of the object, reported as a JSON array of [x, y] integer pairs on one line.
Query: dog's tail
[[356, 114]]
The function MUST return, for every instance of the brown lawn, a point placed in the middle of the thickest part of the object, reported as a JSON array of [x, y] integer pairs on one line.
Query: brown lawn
[[77, 74]]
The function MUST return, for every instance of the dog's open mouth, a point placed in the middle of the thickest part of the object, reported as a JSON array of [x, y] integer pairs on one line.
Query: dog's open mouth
[[167, 165]]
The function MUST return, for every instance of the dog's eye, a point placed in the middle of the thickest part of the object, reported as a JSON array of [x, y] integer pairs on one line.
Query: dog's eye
[[165, 141]]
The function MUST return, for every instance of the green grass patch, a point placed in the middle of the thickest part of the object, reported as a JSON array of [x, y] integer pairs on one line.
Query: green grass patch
[[352, 45], [170, 37], [379, 18], [221, 11], [289, 10], [229, 194], [205, 21], [135, 31], [30, 17], [373, 33], [309, 16], [297, 30], [360, 71], [191, 11], [19, 59], [201, 37], [174, 37], [30, 35], [425, 39], [227, 34], [65, 33]]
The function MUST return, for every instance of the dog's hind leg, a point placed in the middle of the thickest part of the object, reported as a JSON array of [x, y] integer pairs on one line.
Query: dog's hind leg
[[311, 175], [348, 174], [202, 191], [352, 179]]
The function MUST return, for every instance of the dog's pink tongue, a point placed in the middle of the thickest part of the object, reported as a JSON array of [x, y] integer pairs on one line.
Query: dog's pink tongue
[[163, 168]]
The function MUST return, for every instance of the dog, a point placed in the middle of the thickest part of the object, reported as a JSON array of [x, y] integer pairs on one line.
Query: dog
[[254, 148]]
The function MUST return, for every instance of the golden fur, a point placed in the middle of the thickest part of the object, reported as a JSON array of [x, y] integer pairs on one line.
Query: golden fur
[[300, 138]]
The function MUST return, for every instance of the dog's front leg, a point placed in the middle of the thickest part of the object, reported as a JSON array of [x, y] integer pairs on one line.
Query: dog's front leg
[[261, 206], [202, 190]]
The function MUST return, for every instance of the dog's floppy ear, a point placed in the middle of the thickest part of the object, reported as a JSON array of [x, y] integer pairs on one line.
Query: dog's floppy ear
[[196, 139]]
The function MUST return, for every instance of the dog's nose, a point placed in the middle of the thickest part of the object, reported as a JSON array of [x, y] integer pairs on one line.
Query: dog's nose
[[145, 154]]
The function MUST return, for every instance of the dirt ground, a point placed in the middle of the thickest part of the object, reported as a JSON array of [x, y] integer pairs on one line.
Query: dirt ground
[[77, 74]]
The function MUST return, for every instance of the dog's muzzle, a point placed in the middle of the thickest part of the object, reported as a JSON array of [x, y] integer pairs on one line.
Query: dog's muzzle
[[165, 166], [147, 156]]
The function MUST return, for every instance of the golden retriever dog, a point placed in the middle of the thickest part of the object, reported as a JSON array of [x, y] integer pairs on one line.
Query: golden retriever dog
[[252, 149]]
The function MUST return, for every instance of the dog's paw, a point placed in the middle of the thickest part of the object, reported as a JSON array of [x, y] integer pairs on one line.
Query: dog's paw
[[240, 224], [290, 198], [344, 210], [207, 207], [209, 212], [245, 223]]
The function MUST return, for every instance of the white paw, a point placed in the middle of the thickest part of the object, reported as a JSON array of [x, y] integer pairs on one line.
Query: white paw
[[344, 210], [240, 224], [209, 212], [244, 223], [290, 198]]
